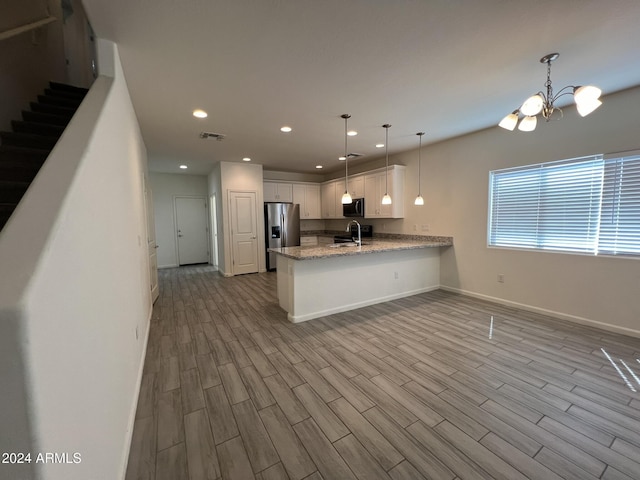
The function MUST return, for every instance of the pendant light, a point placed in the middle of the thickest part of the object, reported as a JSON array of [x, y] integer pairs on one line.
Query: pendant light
[[346, 198], [419, 200], [587, 99], [386, 199]]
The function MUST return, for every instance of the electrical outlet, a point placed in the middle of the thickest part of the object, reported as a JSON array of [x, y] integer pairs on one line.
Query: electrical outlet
[[395, 275], [136, 333], [415, 228], [384, 226], [425, 227], [501, 278]]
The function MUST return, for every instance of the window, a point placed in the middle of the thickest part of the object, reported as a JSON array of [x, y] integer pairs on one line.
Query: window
[[587, 205]]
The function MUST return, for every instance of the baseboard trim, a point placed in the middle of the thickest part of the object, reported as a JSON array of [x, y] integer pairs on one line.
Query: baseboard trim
[[353, 306], [552, 313], [160, 267], [132, 415]]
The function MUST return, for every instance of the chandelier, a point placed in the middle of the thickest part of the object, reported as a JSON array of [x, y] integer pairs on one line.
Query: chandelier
[[586, 98]]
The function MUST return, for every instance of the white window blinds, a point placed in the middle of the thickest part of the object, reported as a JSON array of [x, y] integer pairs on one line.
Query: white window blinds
[[587, 205], [620, 216]]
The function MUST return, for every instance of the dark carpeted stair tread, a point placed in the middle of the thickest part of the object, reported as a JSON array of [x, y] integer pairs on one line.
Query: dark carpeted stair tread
[[52, 109], [11, 191], [6, 209], [27, 140], [16, 172], [63, 94], [61, 101], [37, 128], [68, 88], [45, 118]]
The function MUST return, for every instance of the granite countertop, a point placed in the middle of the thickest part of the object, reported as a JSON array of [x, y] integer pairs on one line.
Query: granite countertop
[[370, 246]]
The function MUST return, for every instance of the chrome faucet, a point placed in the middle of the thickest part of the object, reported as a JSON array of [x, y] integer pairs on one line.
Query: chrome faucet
[[359, 240]]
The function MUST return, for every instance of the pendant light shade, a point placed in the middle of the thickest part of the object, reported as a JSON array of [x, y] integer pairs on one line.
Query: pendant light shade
[[419, 200], [386, 199], [346, 197]]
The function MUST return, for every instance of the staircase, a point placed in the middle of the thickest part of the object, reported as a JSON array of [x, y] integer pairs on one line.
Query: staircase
[[25, 149]]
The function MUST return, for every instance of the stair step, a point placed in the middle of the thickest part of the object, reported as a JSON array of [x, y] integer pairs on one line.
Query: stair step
[[53, 109], [46, 118], [6, 209], [63, 94], [24, 154], [27, 140], [37, 128], [60, 101], [68, 88], [11, 191]]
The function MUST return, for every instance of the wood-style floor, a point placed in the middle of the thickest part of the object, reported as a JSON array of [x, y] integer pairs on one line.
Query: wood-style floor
[[436, 385]]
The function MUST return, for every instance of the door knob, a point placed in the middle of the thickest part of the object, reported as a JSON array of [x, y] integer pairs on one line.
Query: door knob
[[253, 238]]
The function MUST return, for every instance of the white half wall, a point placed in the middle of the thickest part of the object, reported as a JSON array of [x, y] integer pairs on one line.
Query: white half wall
[[75, 295], [167, 186]]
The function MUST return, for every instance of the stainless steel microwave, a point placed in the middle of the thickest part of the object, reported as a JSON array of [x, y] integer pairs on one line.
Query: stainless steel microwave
[[354, 209]]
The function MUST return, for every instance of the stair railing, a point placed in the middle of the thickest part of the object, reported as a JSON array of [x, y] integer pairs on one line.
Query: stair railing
[[26, 28]]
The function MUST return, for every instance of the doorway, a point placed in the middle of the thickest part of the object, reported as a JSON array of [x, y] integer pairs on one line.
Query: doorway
[[192, 236], [244, 232]]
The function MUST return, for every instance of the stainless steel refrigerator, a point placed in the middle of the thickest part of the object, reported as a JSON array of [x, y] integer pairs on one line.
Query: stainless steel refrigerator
[[282, 228]]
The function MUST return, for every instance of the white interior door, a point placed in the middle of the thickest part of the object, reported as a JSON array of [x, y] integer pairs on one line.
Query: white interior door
[[151, 241], [244, 232], [192, 230]]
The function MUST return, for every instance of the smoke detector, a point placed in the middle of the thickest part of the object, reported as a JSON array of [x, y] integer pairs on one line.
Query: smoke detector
[[218, 136]]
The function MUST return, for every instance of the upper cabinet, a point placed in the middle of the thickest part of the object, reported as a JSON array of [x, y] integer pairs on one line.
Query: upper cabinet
[[324, 200], [308, 196], [278, 192], [328, 195], [378, 182], [356, 186]]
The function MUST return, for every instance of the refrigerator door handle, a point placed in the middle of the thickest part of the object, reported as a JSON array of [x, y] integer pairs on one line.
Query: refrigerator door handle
[[284, 230]]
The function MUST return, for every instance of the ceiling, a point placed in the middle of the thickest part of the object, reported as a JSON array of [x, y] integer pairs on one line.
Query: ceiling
[[446, 67]]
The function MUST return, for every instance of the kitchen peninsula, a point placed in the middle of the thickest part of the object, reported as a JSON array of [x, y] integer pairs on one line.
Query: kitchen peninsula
[[314, 281]]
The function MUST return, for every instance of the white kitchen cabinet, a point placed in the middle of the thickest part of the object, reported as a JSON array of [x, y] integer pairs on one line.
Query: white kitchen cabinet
[[308, 196], [331, 198], [356, 186], [277, 192], [376, 183]]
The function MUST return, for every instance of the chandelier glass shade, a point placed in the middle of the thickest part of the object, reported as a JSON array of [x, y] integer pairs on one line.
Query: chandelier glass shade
[[346, 197], [587, 99]]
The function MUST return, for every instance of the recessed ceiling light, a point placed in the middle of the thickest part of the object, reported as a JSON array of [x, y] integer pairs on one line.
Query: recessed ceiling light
[[342, 158], [379, 145], [246, 159], [183, 167], [200, 113], [318, 166], [352, 133], [285, 129]]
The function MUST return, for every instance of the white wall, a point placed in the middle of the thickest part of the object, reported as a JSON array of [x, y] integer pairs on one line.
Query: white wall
[[167, 186], [75, 291]]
